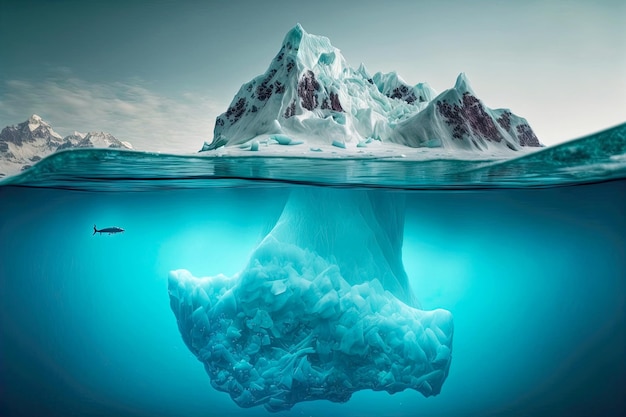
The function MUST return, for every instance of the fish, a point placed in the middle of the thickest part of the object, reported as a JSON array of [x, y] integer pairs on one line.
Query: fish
[[109, 230]]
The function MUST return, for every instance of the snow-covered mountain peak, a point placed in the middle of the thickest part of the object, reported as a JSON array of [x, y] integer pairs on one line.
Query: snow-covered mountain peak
[[26, 143], [96, 134], [33, 130], [34, 122], [39, 128], [102, 140]]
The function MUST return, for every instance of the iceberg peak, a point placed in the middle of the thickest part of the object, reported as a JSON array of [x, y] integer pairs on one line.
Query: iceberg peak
[[294, 36], [309, 93], [462, 84], [363, 71], [310, 50]]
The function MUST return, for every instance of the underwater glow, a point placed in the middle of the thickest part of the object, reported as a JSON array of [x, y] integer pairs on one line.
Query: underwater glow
[[533, 277], [528, 255], [319, 312]]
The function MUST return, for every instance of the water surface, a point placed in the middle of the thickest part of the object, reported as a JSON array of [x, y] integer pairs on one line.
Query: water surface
[[528, 255]]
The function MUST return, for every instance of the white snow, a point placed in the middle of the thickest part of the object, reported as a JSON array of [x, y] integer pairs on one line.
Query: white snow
[[34, 122]]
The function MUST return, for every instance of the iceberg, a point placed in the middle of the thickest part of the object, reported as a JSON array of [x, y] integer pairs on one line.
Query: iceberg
[[323, 308], [309, 93]]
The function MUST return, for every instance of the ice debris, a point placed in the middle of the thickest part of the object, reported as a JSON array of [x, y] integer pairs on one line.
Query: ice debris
[[290, 328]]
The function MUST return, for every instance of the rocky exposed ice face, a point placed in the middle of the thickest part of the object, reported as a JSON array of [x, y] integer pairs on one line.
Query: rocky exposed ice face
[[322, 310], [309, 93], [458, 119], [27, 143]]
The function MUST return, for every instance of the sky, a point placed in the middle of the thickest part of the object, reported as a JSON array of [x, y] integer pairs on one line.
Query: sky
[[157, 73]]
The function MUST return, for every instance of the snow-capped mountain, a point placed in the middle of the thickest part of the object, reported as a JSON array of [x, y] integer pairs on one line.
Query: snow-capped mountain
[[30, 138], [93, 140], [24, 144], [309, 93]]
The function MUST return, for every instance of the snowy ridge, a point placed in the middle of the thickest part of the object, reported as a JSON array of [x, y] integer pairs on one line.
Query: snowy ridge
[[458, 119], [26, 143], [391, 85], [310, 94], [93, 140]]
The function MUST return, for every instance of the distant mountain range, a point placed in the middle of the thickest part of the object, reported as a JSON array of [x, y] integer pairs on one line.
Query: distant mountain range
[[311, 94], [24, 144]]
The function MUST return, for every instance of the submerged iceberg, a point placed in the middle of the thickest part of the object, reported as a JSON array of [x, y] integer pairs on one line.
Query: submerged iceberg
[[323, 309]]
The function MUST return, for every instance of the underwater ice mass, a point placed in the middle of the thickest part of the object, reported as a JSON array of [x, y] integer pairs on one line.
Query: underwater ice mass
[[319, 312]]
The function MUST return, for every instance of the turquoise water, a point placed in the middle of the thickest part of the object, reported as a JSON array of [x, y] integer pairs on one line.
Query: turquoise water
[[529, 256]]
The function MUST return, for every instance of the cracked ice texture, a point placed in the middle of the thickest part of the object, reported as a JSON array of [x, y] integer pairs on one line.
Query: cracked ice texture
[[304, 322]]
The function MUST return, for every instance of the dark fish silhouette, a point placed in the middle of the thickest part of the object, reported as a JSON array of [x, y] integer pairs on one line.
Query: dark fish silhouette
[[109, 230]]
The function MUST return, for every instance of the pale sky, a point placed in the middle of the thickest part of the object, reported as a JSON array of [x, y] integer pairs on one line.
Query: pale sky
[[157, 73]]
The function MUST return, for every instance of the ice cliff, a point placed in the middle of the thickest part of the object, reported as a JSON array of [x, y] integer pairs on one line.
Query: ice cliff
[[323, 308], [310, 94]]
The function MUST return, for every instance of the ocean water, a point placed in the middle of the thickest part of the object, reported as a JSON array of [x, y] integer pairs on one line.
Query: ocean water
[[528, 255]]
